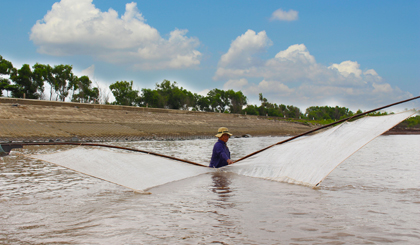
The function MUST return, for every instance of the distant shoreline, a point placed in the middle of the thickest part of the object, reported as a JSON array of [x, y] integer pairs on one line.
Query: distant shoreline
[[37, 120], [398, 131]]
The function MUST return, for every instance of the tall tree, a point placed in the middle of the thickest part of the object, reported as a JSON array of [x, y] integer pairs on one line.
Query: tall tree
[[264, 108], [219, 101], [64, 80], [25, 84], [124, 93], [45, 73], [202, 103], [275, 110], [175, 97], [293, 112], [6, 68], [151, 98], [41, 74], [85, 93], [168, 95], [251, 110], [4, 85], [237, 101]]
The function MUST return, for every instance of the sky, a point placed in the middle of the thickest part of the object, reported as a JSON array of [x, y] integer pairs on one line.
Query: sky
[[356, 54]]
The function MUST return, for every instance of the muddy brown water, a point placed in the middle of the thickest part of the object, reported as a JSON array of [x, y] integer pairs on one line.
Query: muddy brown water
[[371, 198]]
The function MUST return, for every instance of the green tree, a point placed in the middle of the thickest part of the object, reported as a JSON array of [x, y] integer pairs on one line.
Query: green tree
[[83, 92], [49, 78], [237, 101], [378, 113], [202, 103], [152, 98], [25, 84], [267, 108], [263, 109], [275, 110], [4, 85], [251, 110], [6, 68], [175, 97], [219, 100], [413, 122], [168, 95], [124, 93], [43, 73], [64, 80], [293, 112], [327, 112]]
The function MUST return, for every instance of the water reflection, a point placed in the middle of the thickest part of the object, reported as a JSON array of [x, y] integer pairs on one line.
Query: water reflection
[[225, 207], [221, 183]]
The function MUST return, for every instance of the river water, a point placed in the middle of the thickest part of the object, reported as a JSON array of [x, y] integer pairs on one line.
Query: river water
[[371, 198]]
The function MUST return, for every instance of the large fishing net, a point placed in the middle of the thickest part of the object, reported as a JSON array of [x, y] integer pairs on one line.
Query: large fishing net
[[309, 160], [304, 161], [138, 171]]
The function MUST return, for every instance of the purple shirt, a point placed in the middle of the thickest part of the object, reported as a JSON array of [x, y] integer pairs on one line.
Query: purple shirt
[[220, 155]]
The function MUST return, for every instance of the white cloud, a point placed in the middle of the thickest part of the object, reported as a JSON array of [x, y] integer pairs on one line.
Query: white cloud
[[372, 76], [90, 71], [280, 14], [294, 77], [289, 65], [243, 48], [371, 72], [204, 92], [296, 53], [235, 84], [348, 67], [382, 88], [77, 27], [274, 86]]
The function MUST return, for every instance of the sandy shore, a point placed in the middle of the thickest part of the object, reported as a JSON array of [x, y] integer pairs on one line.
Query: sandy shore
[[36, 120]]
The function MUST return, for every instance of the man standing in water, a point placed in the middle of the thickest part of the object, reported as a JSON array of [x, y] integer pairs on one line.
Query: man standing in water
[[221, 153]]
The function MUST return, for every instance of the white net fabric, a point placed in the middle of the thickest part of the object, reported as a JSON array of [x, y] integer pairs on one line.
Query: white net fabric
[[309, 160], [305, 161], [137, 171]]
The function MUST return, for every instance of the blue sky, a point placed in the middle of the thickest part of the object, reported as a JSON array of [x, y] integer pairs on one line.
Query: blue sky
[[357, 54]]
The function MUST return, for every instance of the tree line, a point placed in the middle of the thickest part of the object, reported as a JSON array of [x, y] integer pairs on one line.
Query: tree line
[[29, 82], [170, 96]]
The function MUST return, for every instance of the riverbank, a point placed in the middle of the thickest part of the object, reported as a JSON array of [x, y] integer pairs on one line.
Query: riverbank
[[402, 131], [38, 120]]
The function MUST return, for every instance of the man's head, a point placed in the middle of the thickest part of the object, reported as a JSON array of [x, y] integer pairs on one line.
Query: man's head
[[223, 134]]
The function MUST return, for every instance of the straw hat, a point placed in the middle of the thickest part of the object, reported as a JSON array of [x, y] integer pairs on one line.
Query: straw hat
[[222, 131]]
